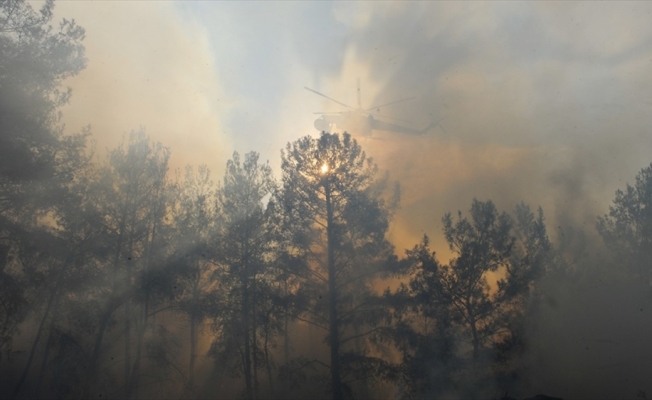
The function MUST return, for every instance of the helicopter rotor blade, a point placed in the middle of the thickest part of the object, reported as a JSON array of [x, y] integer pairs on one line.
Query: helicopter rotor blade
[[329, 98], [389, 104], [438, 124], [328, 113]]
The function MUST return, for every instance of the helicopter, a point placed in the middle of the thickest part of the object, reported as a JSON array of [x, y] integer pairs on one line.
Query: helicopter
[[363, 121]]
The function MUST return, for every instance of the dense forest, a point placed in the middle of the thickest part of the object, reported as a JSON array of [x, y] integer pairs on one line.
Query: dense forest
[[122, 278]]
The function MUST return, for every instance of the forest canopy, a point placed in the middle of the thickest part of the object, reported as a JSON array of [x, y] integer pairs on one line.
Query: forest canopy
[[121, 277]]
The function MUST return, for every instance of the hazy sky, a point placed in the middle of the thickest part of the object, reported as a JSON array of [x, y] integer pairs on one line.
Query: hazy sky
[[545, 102]]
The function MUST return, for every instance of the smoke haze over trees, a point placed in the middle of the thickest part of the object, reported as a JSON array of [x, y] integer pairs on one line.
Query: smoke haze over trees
[[321, 273]]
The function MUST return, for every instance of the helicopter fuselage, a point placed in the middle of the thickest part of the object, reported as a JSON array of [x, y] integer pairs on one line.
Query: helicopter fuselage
[[360, 121], [364, 125], [348, 121]]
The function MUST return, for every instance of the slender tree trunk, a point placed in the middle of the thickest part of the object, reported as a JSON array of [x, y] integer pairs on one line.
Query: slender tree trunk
[[476, 340], [106, 316], [286, 333], [267, 362], [39, 332], [95, 356], [141, 328], [44, 362], [193, 333], [111, 307], [254, 345], [93, 367], [360, 349], [128, 314], [99, 337], [127, 342], [336, 382], [246, 336], [193, 350]]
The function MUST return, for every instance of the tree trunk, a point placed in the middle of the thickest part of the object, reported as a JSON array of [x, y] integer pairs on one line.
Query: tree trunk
[[95, 357], [267, 363], [336, 382], [254, 345], [127, 342], [360, 349], [32, 351], [44, 362], [476, 341], [128, 312], [111, 307], [286, 333], [246, 333], [193, 333], [193, 350], [141, 328]]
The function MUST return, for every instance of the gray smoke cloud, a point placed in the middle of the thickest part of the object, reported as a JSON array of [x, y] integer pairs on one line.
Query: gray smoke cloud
[[149, 67], [543, 102]]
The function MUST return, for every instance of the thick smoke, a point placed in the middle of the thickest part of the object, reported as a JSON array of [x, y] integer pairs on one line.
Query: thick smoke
[[546, 103], [542, 102], [148, 67]]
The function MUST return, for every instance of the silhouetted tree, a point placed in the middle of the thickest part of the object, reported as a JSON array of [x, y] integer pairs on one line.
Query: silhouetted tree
[[422, 328], [481, 246], [246, 278], [627, 228], [34, 155], [443, 303], [131, 196], [35, 60], [532, 259], [338, 213], [195, 217], [71, 241]]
